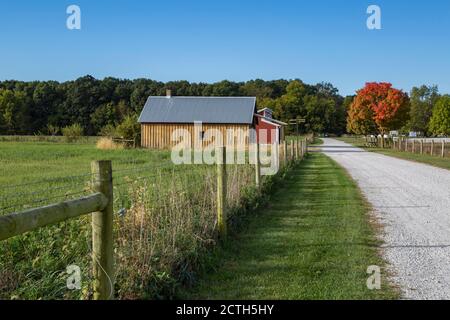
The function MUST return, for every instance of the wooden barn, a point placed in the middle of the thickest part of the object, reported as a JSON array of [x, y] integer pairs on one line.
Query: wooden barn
[[233, 117]]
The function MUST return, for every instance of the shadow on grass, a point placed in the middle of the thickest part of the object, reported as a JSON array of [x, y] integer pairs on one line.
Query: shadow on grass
[[313, 241]]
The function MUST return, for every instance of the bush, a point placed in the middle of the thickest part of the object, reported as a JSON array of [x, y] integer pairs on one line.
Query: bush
[[109, 131], [73, 132], [129, 129], [52, 130]]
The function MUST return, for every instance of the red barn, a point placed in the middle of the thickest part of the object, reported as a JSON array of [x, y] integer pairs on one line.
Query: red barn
[[274, 128]]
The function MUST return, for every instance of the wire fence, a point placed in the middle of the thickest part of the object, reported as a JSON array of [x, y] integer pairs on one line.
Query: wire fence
[[433, 147], [165, 216]]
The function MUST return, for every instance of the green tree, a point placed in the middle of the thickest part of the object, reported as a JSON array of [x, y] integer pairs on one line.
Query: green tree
[[46, 97], [130, 128], [95, 103], [320, 105], [256, 88], [104, 115], [13, 115], [422, 100], [440, 119]]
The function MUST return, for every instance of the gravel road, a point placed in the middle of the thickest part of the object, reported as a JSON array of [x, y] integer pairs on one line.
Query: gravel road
[[412, 201]]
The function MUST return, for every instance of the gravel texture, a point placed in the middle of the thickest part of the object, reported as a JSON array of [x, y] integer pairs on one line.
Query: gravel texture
[[412, 202]]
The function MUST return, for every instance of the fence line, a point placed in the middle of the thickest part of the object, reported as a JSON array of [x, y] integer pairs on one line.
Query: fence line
[[421, 146], [100, 205], [432, 147]]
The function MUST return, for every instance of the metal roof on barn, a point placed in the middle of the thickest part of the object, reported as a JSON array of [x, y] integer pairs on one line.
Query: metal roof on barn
[[216, 110]]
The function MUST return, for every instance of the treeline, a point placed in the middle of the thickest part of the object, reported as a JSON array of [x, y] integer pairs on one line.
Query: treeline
[[45, 107], [379, 108], [430, 112]]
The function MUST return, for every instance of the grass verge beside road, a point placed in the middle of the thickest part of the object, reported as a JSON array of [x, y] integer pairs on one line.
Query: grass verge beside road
[[422, 158], [315, 241]]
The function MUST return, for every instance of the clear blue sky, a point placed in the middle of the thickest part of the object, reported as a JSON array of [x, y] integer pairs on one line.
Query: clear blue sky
[[237, 40]]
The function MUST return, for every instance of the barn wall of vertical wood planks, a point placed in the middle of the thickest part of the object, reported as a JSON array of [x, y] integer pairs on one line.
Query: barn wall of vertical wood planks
[[159, 135]]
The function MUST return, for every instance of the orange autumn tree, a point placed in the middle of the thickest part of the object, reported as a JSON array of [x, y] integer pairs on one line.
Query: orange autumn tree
[[378, 108]]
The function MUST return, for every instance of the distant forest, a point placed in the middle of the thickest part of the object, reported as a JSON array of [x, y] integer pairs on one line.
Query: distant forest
[[39, 107]]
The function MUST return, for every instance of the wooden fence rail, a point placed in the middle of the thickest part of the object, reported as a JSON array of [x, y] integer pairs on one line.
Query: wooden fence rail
[[100, 205], [433, 147], [18, 223]]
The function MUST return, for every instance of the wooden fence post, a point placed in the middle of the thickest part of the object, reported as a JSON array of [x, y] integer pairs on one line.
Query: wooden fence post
[[221, 192], [295, 149], [301, 148], [257, 167], [432, 147], [298, 148], [292, 151], [102, 233], [277, 154], [421, 146], [414, 146], [443, 149], [285, 151]]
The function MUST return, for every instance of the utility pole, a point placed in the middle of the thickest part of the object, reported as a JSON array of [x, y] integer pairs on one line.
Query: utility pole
[[297, 122]]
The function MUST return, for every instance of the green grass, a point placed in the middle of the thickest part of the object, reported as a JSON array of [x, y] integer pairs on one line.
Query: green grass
[[436, 160], [27, 161], [422, 158], [61, 169], [315, 241], [317, 142], [357, 141], [33, 265], [161, 239]]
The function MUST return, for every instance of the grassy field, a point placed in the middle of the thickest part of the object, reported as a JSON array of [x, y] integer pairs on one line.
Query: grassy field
[[436, 161], [22, 162], [315, 241], [163, 229]]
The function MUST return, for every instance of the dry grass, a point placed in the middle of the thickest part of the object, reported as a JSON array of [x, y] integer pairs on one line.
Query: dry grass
[[8, 281], [168, 227], [108, 144], [164, 215]]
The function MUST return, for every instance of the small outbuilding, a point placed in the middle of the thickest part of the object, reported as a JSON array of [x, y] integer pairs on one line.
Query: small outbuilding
[[268, 129], [233, 117]]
